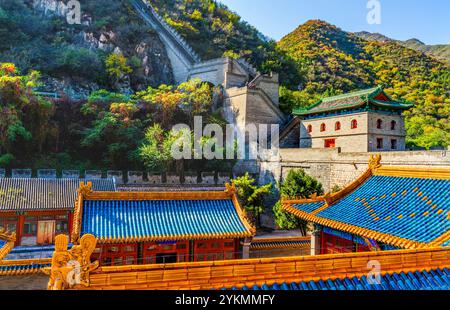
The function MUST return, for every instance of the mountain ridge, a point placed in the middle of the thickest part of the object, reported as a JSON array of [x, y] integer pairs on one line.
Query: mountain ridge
[[439, 51]]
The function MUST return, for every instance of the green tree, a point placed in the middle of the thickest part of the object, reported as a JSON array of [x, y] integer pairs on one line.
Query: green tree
[[156, 150], [252, 196], [115, 134], [178, 104], [116, 66], [296, 185], [23, 115]]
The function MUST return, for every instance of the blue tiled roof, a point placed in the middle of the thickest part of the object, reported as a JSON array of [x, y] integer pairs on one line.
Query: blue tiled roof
[[310, 206], [410, 208], [17, 268], [438, 279], [280, 244], [2, 243], [162, 219]]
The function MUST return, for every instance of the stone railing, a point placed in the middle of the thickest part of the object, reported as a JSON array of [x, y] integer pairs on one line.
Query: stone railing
[[125, 177]]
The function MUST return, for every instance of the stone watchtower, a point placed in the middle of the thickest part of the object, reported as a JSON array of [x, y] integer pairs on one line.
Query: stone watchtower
[[249, 97], [362, 121]]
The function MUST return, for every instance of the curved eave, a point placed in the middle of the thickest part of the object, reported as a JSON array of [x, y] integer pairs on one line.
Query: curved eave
[[374, 169], [302, 201], [392, 105], [395, 105], [363, 232], [343, 107]]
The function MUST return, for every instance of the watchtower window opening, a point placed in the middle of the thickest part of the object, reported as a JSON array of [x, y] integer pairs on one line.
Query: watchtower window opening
[[393, 125], [379, 124]]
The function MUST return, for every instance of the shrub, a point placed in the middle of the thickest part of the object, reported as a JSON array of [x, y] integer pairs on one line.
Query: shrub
[[296, 185]]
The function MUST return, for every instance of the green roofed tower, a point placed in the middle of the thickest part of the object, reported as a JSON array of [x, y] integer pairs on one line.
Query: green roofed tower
[[362, 121]]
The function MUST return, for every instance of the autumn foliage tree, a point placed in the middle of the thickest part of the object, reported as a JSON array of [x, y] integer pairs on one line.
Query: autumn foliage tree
[[23, 115]]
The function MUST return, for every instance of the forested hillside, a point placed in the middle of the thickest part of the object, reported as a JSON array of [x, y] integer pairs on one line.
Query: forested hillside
[[331, 61], [439, 51], [74, 58], [214, 31]]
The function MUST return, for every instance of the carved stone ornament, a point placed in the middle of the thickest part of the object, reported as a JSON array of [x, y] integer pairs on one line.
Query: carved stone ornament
[[71, 268]]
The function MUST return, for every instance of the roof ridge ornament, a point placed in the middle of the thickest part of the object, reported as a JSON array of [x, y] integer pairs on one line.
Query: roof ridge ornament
[[85, 189], [71, 268], [375, 162], [328, 198], [6, 235], [230, 188]]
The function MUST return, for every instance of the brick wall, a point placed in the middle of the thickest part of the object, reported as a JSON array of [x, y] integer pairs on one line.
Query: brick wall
[[335, 168]]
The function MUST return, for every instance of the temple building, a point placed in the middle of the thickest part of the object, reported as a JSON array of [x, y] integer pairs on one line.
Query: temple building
[[362, 121], [168, 227], [386, 208], [419, 269], [37, 210]]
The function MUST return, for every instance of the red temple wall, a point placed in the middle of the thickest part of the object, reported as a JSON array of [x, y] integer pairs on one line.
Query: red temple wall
[[166, 252], [334, 245], [26, 225]]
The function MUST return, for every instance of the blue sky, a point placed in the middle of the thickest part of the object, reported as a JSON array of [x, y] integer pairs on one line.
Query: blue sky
[[426, 20]]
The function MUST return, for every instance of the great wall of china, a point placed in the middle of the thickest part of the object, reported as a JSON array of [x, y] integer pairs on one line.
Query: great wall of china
[[251, 97]]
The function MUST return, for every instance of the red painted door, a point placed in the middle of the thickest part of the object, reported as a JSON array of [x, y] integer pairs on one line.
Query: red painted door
[[46, 232]]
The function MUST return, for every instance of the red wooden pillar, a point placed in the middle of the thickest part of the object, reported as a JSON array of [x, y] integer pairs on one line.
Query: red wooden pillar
[[19, 229], [70, 224], [323, 249]]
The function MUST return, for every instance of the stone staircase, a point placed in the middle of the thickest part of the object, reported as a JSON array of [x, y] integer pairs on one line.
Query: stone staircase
[[181, 55], [248, 67], [160, 24]]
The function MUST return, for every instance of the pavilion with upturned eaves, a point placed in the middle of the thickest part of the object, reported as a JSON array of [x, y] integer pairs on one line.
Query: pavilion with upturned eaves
[[386, 208], [162, 227], [362, 121]]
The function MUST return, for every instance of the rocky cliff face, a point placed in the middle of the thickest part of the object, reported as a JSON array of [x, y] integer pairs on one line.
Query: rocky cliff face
[[105, 28]]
